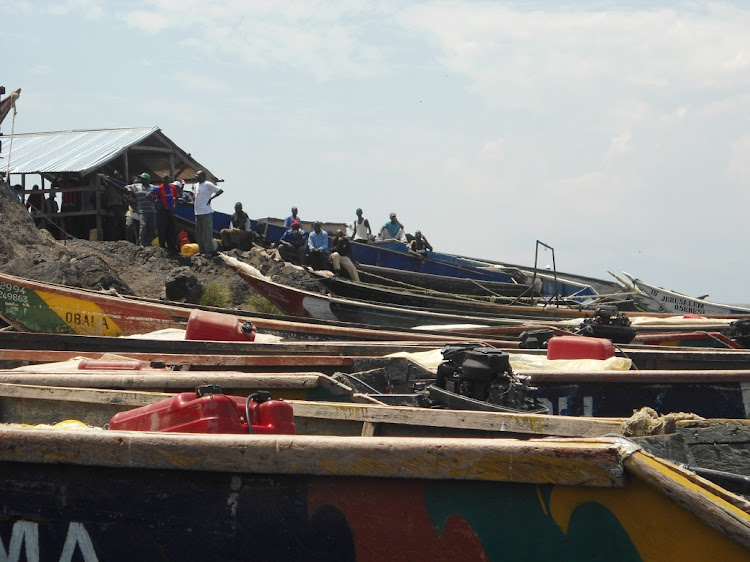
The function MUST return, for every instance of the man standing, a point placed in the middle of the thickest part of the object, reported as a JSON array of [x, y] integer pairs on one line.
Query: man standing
[[362, 231], [146, 210], [205, 192], [290, 218], [166, 198]]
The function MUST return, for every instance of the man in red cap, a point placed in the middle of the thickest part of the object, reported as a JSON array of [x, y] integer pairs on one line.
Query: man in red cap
[[293, 244]]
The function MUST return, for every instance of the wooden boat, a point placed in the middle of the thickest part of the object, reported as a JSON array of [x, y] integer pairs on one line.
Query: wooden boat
[[307, 304], [510, 319], [181, 496], [657, 299], [394, 254], [710, 384], [34, 306], [437, 284], [404, 297]]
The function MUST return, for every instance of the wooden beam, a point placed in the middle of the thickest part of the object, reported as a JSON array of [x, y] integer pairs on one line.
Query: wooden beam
[[529, 424], [183, 359], [505, 460], [177, 380]]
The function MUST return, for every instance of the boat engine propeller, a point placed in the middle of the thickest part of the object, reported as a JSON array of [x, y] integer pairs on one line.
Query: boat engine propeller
[[480, 378], [608, 322]]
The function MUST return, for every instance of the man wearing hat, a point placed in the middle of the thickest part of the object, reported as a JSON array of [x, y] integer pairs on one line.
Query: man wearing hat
[[293, 244], [145, 208], [392, 230], [205, 192]]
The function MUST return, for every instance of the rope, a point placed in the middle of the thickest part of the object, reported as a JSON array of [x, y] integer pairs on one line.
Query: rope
[[422, 290], [12, 131]]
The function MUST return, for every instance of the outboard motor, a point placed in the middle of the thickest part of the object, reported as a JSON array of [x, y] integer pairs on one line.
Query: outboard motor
[[483, 374], [609, 323], [739, 332], [536, 339]]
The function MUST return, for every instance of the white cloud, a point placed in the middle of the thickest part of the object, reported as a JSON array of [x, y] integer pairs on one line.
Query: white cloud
[[517, 57]]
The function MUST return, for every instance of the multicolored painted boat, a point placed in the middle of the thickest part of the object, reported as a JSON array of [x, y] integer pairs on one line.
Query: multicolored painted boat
[[116, 495], [33, 306], [85, 492]]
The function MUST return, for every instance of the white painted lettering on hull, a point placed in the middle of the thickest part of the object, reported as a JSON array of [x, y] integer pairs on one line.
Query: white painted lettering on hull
[[26, 533]]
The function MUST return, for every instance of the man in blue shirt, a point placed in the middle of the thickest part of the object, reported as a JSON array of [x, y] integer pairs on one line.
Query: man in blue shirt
[[290, 218], [293, 244], [318, 249]]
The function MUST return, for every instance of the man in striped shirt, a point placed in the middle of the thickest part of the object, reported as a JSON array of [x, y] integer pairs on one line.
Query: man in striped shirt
[[166, 196]]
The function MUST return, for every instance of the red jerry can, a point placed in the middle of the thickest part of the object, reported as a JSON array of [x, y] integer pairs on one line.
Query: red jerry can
[[209, 411], [215, 326], [579, 347]]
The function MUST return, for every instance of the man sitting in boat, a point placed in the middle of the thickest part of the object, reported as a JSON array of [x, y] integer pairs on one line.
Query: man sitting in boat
[[317, 246], [341, 252], [392, 230], [419, 246], [240, 235], [293, 244]]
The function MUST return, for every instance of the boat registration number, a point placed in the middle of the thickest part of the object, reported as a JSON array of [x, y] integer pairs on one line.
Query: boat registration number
[[13, 293]]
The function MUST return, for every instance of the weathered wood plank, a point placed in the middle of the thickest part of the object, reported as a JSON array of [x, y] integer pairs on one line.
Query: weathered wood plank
[[591, 463], [178, 380], [42, 356], [124, 397], [530, 424]]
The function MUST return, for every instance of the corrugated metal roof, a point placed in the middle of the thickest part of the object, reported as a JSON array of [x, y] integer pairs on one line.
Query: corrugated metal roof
[[67, 151]]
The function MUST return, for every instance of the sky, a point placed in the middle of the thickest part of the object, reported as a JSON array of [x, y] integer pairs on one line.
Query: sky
[[617, 133]]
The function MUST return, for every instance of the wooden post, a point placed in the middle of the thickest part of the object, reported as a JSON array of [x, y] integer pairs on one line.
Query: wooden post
[[99, 229]]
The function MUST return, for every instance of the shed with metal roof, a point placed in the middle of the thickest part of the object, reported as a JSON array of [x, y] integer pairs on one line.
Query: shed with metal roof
[[83, 161], [130, 151]]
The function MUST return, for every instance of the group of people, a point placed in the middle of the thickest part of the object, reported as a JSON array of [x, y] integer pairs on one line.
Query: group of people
[[151, 214], [315, 250]]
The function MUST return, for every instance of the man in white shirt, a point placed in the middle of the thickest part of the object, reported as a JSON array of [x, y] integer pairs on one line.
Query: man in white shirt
[[205, 192]]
